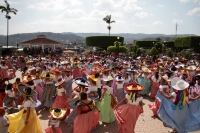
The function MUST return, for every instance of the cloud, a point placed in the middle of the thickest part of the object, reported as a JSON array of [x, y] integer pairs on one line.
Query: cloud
[[175, 13], [157, 23], [72, 13], [186, 1], [54, 4], [139, 25], [195, 11], [178, 21], [141, 14], [160, 5]]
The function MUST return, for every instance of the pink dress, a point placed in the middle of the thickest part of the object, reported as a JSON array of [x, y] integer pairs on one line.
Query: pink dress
[[77, 72], [87, 120], [155, 86], [127, 115], [55, 123], [38, 83], [60, 101], [4, 72]]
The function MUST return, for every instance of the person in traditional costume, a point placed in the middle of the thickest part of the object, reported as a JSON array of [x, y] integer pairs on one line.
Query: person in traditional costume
[[38, 85], [87, 118], [68, 82], [61, 99], [4, 70], [125, 117], [175, 113], [3, 86], [92, 87], [26, 120], [72, 101], [107, 113], [119, 88], [10, 101], [48, 94], [145, 81], [54, 122], [155, 82], [19, 96]]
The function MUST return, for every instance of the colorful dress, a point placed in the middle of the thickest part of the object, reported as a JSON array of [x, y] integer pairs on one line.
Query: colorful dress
[[119, 91], [55, 123], [155, 86], [127, 115], [107, 113], [87, 120], [147, 85], [17, 120], [38, 83], [2, 93], [48, 95]]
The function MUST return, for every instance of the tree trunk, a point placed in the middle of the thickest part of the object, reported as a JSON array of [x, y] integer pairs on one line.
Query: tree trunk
[[7, 31]]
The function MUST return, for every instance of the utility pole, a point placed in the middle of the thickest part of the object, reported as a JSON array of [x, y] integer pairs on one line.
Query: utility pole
[[176, 29]]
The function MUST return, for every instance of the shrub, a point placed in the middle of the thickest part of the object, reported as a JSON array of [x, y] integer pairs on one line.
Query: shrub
[[154, 51]]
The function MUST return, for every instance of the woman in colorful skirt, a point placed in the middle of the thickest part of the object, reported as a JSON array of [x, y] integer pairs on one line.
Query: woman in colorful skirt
[[48, 95], [119, 88], [107, 113], [87, 119], [127, 115], [155, 81], [60, 101], [26, 120], [54, 122], [38, 85], [145, 81], [2, 90]]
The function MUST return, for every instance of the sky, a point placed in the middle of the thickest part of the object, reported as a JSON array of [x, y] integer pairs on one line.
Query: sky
[[86, 16]]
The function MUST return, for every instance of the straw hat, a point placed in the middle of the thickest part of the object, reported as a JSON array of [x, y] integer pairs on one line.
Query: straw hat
[[133, 87], [109, 78], [57, 112], [56, 71], [96, 69], [92, 77], [119, 78], [60, 81], [131, 70], [32, 69], [165, 77], [47, 75], [23, 89], [81, 81], [65, 62], [28, 78], [172, 69], [144, 69], [179, 84], [66, 70]]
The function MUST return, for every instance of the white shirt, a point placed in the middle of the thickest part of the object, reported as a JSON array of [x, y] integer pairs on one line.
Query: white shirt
[[55, 123], [98, 83], [153, 78], [60, 91], [92, 88], [109, 89], [10, 93], [133, 102], [119, 86], [28, 103]]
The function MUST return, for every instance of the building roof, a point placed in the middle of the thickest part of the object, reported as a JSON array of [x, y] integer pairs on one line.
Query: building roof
[[41, 39]]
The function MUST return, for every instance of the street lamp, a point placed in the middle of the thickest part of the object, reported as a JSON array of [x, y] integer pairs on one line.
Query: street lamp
[[118, 45]]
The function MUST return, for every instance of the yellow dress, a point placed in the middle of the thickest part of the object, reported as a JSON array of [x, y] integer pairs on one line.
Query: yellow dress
[[17, 121]]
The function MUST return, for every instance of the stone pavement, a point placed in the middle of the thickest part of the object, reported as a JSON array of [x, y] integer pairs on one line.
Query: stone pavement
[[145, 124]]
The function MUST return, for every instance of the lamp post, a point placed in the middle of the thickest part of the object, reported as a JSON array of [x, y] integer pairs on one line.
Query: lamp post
[[118, 45]]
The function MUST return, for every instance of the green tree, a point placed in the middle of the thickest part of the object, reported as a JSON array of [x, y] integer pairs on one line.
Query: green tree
[[107, 19], [154, 51], [8, 10], [170, 53], [158, 46], [138, 52], [117, 48]]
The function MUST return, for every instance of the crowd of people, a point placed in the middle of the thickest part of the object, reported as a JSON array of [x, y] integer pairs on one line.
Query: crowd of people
[[82, 92]]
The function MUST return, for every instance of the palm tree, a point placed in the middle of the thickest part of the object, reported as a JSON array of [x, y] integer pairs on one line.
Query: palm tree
[[8, 10], [107, 19]]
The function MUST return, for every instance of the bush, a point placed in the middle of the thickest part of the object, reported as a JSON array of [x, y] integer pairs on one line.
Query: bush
[[159, 47], [138, 52], [187, 42], [102, 41], [170, 53], [154, 51], [145, 44], [187, 53], [169, 44]]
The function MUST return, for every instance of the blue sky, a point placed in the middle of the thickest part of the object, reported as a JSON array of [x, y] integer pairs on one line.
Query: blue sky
[[131, 16]]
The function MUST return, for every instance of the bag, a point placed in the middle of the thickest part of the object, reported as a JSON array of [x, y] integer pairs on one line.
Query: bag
[[113, 100]]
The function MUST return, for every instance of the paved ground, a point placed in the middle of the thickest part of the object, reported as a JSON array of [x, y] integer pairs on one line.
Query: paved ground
[[145, 123]]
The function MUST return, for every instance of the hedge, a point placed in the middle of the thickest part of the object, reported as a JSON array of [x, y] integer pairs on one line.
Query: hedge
[[169, 44], [145, 44], [187, 42], [103, 41]]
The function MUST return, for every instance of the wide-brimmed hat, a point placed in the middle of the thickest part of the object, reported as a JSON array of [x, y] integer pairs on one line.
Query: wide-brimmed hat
[[23, 89], [198, 69], [131, 70], [119, 78], [65, 62], [56, 71], [109, 78], [165, 77], [172, 69], [179, 84], [105, 70], [197, 77], [133, 87], [60, 81], [57, 112], [96, 69], [191, 68], [28, 78], [47, 75], [144, 69], [92, 77], [66, 70], [81, 81]]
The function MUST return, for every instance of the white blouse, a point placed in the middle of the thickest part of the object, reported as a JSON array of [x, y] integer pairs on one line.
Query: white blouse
[[119, 86], [28, 103], [109, 89], [133, 102], [55, 123], [59, 91], [153, 78], [10, 93], [92, 88]]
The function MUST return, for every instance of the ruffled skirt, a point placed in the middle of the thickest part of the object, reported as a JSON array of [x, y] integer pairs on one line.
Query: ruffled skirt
[[154, 89], [17, 121], [154, 107], [126, 117], [49, 130], [84, 123]]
